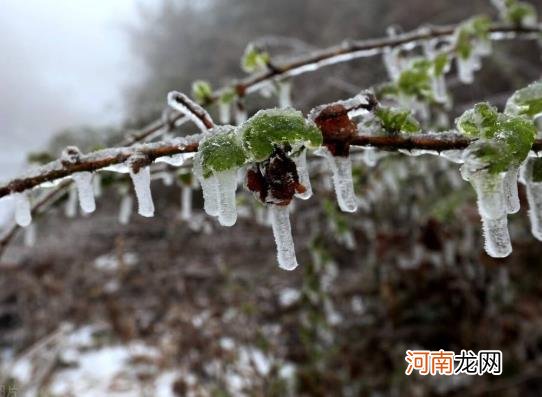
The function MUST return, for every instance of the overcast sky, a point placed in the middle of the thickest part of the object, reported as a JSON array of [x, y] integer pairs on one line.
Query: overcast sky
[[64, 63]]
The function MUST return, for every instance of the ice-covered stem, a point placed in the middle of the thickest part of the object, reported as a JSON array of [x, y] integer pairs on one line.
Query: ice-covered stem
[[282, 231], [183, 104]]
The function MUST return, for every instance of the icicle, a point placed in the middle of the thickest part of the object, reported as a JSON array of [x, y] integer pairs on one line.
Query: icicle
[[510, 189], [186, 202], [240, 114], [534, 198], [341, 168], [30, 235], [142, 186], [125, 210], [23, 210], [370, 157], [497, 240], [489, 191], [97, 184], [284, 92], [439, 89], [226, 185], [209, 187], [224, 112], [71, 205], [465, 69], [303, 173], [83, 182], [280, 221]]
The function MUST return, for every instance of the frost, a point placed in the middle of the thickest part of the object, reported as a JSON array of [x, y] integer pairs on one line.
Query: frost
[[280, 221], [303, 174], [186, 203], [341, 169], [284, 93], [23, 210], [142, 187], [125, 210], [226, 182], [85, 190]]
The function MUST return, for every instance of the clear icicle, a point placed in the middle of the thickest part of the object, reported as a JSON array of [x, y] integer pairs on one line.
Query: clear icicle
[[341, 168], [209, 187], [510, 189], [97, 184], [284, 93], [534, 198], [497, 240], [142, 187], [489, 191], [226, 186], [282, 231], [240, 114], [224, 112], [186, 202], [23, 210], [303, 173], [71, 205], [125, 210], [83, 182], [439, 89], [30, 235], [465, 69]]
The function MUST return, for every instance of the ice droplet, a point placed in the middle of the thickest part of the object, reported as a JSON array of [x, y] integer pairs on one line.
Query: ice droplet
[[510, 190], [125, 210], [226, 186], [85, 190], [142, 187], [280, 221], [497, 240], [186, 202], [303, 174], [23, 210], [341, 168]]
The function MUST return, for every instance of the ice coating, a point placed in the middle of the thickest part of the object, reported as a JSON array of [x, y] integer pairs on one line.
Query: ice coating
[[209, 187], [226, 186], [142, 187], [186, 202], [282, 231], [490, 194], [510, 190], [341, 169], [85, 190], [125, 210], [303, 174], [173, 101], [23, 210], [496, 238]]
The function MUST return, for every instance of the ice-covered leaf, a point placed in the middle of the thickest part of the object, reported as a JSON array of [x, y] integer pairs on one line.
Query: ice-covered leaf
[[221, 151], [415, 81], [254, 59], [526, 101], [394, 120], [271, 127], [202, 91]]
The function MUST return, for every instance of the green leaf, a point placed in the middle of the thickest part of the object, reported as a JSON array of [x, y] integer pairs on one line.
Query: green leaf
[[202, 91], [476, 28], [221, 151], [440, 63], [522, 14], [527, 101], [227, 96], [276, 127], [416, 81], [254, 59], [395, 120], [503, 140]]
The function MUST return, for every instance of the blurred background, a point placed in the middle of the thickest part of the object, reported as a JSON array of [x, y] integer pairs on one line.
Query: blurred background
[[179, 306]]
